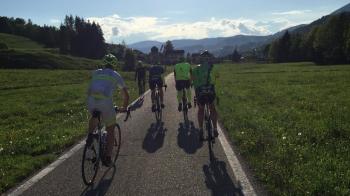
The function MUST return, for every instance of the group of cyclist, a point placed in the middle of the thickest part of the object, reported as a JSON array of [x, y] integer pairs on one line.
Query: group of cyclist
[[105, 81]]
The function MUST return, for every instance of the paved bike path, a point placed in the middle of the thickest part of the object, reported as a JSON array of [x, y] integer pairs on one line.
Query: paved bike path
[[167, 159]]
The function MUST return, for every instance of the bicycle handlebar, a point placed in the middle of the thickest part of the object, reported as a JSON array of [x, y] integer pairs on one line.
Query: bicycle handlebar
[[128, 112]]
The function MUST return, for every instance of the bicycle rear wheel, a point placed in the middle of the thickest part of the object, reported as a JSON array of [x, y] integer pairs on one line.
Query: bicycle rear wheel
[[158, 111], [209, 128], [91, 160], [117, 143], [185, 109]]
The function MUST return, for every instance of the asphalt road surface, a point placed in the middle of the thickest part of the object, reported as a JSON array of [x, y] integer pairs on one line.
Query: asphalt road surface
[[163, 159]]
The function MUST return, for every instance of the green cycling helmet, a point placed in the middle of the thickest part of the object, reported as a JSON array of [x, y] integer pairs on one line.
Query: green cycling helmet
[[110, 60]]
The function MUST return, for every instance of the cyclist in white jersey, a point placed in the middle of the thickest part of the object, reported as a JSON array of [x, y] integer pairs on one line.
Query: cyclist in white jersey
[[100, 98]]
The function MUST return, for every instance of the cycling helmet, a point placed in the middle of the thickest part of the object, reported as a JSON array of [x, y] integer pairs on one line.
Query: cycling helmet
[[205, 53], [110, 60], [205, 57]]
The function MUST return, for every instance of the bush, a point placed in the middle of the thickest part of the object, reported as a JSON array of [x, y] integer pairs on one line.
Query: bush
[[3, 46]]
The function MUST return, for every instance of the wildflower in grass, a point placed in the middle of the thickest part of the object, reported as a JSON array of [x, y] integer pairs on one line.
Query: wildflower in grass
[[13, 153], [284, 137], [242, 132], [37, 137], [10, 142], [27, 139], [299, 133], [1, 149]]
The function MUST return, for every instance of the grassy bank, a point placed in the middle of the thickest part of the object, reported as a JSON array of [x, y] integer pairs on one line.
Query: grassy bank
[[23, 53], [42, 113], [292, 124]]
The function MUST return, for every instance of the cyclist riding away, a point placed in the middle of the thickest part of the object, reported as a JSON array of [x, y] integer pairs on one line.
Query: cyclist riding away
[[100, 98], [156, 79], [140, 76], [205, 90], [182, 73]]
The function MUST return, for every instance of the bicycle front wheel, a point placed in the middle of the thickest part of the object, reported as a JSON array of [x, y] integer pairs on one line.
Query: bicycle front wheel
[[117, 143], [91, 160]]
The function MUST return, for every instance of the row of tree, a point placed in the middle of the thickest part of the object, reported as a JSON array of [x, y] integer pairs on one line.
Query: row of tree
[[75, 35], [328, 43]]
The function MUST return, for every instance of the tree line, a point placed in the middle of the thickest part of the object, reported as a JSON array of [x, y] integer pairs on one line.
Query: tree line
[[328, 43], [75, 36]]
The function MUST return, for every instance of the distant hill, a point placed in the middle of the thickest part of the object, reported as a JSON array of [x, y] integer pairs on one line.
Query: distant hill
[[343, 9], [222, 46], [219, 46]]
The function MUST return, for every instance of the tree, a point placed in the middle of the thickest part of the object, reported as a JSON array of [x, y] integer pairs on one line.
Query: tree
[[154, 50], [188, 58], [347, 48], [236, 57], [168, 48], [130, 60]]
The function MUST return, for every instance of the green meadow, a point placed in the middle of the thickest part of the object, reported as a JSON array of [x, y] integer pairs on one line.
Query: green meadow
[[42, 113], [291, 123]]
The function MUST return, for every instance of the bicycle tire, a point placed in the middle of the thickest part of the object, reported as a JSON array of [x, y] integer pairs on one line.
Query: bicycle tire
[[158, 111], [117, 142], [185, 109], [89, 181], [209, 126]]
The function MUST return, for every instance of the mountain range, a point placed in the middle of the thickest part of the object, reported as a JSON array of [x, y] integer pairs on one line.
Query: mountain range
[[222, 46]]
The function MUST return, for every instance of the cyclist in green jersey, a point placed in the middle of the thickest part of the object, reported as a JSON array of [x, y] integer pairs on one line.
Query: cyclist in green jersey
[[182, 73], [205, 90]]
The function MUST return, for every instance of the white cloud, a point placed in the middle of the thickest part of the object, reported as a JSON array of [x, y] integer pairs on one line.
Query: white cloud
[[55, 21], [116, 28], [292, 12]]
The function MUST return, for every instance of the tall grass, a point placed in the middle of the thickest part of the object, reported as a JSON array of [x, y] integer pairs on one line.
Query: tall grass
[[292, 124]]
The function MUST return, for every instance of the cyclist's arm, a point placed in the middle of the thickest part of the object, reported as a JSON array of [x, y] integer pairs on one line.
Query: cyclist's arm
[[126, 97]]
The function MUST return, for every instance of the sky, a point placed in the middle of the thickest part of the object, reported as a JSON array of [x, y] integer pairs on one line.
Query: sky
[[161, 20]]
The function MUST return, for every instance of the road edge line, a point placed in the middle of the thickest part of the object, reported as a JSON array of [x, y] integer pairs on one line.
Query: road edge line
[[46, 170], [236, 167]]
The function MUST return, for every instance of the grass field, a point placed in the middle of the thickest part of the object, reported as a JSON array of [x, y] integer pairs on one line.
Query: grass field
[[42, 113], [25, 53], [291, 122], [18, 42]]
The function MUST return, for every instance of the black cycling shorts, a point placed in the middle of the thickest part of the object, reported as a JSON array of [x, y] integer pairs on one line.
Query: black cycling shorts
[[182, 84], [205, 95], [155, 82]]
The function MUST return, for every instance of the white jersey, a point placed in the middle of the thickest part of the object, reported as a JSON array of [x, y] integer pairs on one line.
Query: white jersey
[[104, 83]]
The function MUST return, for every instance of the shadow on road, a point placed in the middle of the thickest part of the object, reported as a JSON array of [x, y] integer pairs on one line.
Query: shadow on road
[[154, 138], [103, 185], [218, 180], [188, 138]]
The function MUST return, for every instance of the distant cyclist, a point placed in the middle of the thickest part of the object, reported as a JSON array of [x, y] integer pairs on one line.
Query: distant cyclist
[[140, 76], [205, 90], [182, 74], [156, 79], [100, 98]]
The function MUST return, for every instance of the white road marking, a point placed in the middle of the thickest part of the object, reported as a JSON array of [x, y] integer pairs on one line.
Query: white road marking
[[238, 172], [26, 185], [247, 188]]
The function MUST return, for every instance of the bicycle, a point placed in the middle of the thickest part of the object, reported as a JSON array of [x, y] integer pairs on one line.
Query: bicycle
[[209, 129], [185, 107], [98, 147], [158, 109]]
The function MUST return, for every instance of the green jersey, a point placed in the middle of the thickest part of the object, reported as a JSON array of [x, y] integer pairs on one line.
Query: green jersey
[[182, 71], [200, 75]]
